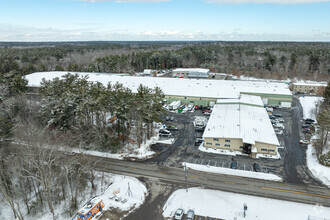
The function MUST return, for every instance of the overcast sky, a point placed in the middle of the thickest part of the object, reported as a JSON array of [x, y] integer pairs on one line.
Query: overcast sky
[[75, 20]]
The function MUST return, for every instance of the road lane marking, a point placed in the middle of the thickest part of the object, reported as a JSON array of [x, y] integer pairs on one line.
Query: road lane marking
[[134, 168], [230, 182], [162, 172], [302, 193]]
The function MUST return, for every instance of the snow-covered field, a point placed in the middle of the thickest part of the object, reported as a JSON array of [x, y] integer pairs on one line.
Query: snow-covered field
[[308, 104], [105, 190], [319, 171], [228, 171], [226, 205]]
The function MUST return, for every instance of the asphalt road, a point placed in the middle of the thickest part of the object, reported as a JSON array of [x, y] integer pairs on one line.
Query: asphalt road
[[278, 190]]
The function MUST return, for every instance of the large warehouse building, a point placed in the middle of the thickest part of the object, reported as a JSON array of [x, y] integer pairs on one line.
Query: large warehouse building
[[191, 73], [241, 125], [198, 91]]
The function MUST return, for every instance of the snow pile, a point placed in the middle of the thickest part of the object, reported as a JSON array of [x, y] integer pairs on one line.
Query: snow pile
[[226, 205], [125, 193], [319, 171], [308, 104], [234, 172]]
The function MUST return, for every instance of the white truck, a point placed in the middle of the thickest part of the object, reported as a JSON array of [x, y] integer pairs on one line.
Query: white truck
[[174, 105], [190, 106]]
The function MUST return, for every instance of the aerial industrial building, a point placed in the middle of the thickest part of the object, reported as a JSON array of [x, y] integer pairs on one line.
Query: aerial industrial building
[[198, 91], [309, 87], [241, 125], [191, 73]]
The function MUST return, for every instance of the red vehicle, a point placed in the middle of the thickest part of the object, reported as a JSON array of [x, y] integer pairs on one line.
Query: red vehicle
[[207, 112], [196, 107], [90, 209]]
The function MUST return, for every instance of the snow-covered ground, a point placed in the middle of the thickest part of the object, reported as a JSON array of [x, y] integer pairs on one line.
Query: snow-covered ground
[[319, 171], [308, 104], [105, 190], [226, 205], [234, 172], [234, 153], [131, 151]]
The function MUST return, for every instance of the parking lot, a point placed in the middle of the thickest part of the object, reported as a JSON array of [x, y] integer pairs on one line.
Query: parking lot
[[291, 166]]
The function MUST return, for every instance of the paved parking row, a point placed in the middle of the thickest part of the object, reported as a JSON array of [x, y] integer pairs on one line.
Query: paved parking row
[[226, 164]]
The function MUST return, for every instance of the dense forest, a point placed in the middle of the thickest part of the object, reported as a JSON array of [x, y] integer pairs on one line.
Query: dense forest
[[276, 60], [37, 170]]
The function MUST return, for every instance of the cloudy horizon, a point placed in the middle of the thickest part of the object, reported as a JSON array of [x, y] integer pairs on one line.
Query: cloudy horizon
[[165, 20]]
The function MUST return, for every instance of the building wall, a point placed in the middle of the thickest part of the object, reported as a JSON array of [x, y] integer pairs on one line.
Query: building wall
[[266, 148], [187, 100], [273, 99], [222, 143], [307, 88], [237, 144]]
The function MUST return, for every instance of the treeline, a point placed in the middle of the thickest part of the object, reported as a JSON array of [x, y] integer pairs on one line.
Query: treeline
[[323, 129], [278, 60], [37, 170], [82, 108]]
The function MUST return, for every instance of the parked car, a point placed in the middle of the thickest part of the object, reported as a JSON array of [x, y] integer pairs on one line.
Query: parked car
[[196, 107], [304, 142], [278, 115], [207, 111], [306, 130], [165, 135], [199, 129], [164, 131], [280, 120], [305, 126], [190, 214], [256, 167], [172, 118], [310, 120], [172, 128], [233, 165], [278, 125], [272, 117], [198, 141], [178, 214], [167, 118], [279, 132]]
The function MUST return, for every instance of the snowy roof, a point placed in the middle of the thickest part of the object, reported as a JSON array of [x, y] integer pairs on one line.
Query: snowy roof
[[310, 83], [191, 70], [243, 99], [249, 123], [174, 86]]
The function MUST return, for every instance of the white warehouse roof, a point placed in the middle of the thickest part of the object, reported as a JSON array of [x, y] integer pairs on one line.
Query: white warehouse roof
[[249, 123], [174, 86], [179, 70], [243, 99]]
